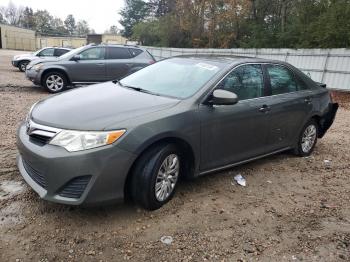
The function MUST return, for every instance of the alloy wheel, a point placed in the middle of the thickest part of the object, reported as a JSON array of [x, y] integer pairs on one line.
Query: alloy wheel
[[54, 83], [167, 176], [308, 139]]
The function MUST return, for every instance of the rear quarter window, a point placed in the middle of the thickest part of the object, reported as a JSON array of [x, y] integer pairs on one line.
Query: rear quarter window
[[135, 52], [118, 53]]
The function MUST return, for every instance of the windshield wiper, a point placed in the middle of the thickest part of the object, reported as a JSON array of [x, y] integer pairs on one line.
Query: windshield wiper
[[138, 89]]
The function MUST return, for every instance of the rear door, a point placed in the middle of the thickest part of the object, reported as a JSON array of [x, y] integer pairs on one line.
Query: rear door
[[234, 133], [290, 104], [118, 62], [90, 68]]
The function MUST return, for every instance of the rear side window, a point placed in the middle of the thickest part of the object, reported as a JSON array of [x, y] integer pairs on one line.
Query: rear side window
[[95, 53], [59, 52], [118, 53], [135, 52], [47, 52], [246, 82], [281, 79]]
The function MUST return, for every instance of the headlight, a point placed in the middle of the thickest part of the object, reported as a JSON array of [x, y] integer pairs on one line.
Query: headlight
[[74, 141], [37, 67]]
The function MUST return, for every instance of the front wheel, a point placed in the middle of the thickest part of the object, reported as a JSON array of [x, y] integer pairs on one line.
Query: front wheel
[[155, 176], [55, 82], [307, 139], [22, 66]]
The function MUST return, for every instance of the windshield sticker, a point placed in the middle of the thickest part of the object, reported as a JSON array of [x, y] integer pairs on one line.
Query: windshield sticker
[[207, 66]]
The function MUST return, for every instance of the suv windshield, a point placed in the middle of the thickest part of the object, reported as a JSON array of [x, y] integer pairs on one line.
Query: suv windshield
[[71, 52], [175, 77]]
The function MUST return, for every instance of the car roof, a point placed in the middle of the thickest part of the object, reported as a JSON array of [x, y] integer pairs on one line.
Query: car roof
[[57, 47], [228, 59]]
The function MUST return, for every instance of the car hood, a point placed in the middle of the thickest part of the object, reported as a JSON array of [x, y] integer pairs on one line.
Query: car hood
[[24, 56], [36, 60], [96, 107]]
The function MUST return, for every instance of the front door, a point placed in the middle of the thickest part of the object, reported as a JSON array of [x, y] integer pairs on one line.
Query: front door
[[230, 134], [90, 68]]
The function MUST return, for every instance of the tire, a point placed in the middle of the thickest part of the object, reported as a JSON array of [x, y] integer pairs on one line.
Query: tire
[[149, 189], [55, 82], [307, 139], [22, 66]]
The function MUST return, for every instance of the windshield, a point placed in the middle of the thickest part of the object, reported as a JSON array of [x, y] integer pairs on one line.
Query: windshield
[[71, 52], [175, 77]]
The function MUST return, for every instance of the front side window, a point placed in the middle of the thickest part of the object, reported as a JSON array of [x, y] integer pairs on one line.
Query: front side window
[[281, 79], [118, 53], [47, 52], [246, 82], [95, 53]]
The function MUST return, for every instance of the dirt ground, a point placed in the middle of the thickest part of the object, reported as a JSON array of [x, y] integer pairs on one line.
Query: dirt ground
[[292, 209]]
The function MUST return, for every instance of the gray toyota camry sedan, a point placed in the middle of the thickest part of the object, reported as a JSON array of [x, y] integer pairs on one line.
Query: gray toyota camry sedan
[[179, 118]]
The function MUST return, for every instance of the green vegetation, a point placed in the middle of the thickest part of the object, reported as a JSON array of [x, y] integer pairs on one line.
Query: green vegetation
[[238, 23]]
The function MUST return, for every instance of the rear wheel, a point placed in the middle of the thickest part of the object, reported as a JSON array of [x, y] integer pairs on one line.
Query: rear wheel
[[22, 66], [55, 82], [155, 176], [307, 139]]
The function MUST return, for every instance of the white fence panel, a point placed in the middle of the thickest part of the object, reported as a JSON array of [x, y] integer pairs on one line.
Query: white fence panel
[[330, 66]]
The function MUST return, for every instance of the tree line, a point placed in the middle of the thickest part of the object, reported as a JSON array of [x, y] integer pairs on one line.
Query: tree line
[[42, 21], [238, 23]]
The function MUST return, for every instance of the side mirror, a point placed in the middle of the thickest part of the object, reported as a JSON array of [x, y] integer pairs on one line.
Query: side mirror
[[223, 97], [76, 58]]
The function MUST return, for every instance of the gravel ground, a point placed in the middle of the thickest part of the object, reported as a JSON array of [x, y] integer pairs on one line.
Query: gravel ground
[[293, 209]]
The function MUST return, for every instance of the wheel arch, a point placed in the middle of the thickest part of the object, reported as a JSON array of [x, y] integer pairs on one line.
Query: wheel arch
[[59, 70], [185, 148]]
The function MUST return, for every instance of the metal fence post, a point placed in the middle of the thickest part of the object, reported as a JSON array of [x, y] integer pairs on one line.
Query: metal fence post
[[325, 67], [286, 58]]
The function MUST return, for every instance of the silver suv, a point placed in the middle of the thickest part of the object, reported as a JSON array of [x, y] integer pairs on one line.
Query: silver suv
[[86, 65], [21, 61]]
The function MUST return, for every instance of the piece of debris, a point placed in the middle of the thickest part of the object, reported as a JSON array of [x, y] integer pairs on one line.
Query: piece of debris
[[240, 180], [327, 163], [269, 181], [167, 240]]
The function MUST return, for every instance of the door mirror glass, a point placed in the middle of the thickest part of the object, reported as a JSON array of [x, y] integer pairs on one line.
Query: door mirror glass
[[223, 97], [76, 57]]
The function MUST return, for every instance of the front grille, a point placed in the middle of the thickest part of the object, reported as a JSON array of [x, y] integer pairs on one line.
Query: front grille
[[75, 187], [39, 139], [39, 133], [35, 175]]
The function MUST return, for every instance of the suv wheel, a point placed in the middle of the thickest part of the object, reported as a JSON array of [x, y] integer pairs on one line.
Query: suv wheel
[[155, 176], [22, 66], [307, 139], [55, 82]]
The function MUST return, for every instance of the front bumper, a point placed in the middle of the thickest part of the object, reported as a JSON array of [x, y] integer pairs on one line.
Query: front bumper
[[50, 170], [33, 76]]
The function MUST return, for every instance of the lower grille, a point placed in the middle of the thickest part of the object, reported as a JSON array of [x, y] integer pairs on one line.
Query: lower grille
[[35, 175], [75, 187]]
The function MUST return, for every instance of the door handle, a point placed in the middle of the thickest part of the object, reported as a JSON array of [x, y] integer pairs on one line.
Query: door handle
[[264, 109], [308, 100], [100, 64]]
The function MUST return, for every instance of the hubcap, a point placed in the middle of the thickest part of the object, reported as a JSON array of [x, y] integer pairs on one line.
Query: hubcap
[[309, 138], [167, 176], [24, 66], [54, 83]]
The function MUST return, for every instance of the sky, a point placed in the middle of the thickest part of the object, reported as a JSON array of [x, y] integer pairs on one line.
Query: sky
[[100, 14]]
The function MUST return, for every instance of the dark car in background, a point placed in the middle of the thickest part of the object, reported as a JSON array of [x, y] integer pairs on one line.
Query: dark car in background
[[88, 64], [21, 61], [181, 117]]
